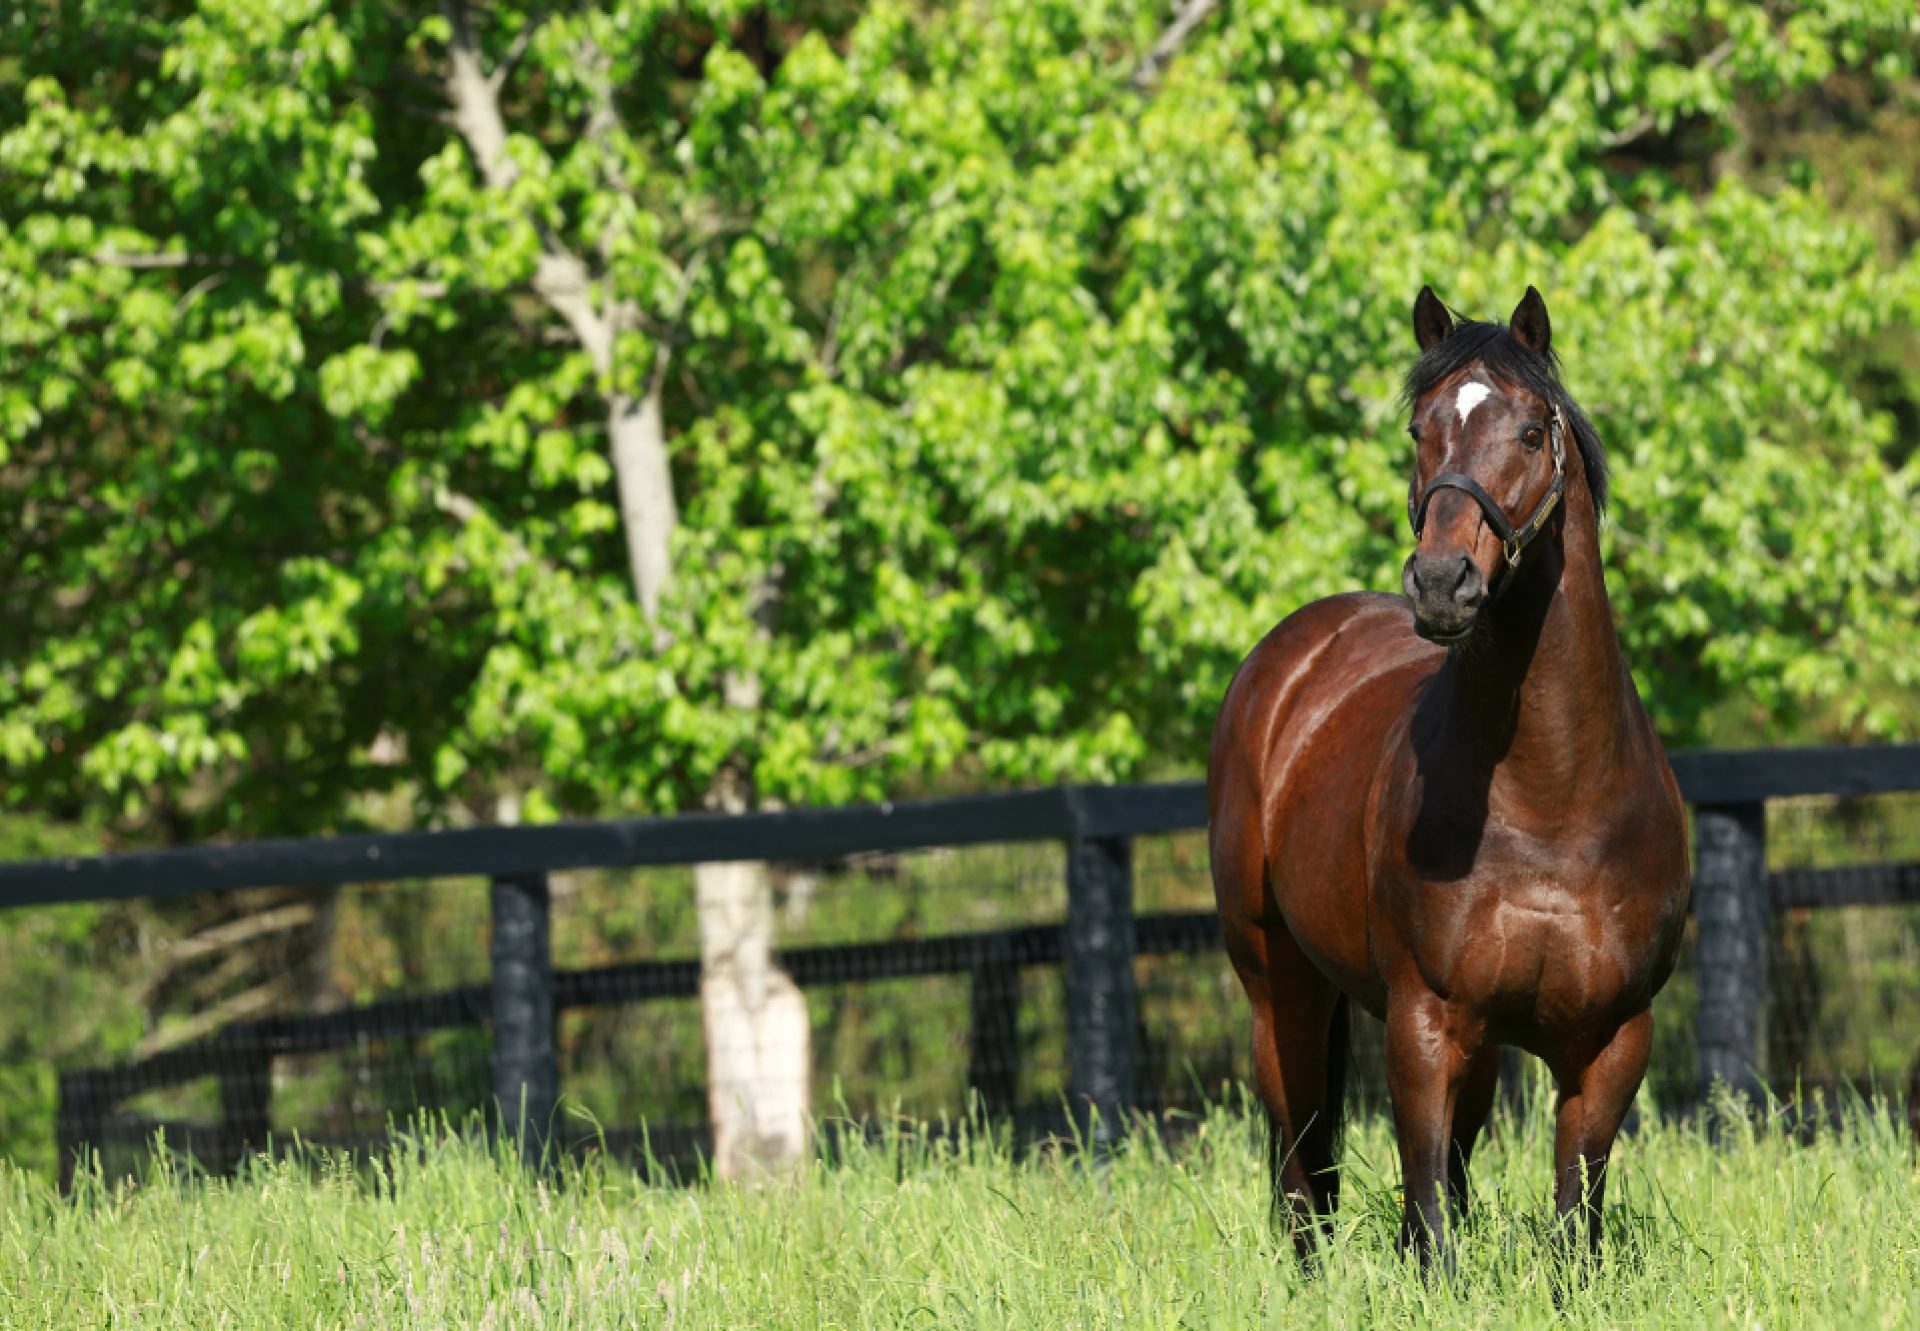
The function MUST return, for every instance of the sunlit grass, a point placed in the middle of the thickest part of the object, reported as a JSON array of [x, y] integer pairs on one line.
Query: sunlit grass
[[905, 1229]]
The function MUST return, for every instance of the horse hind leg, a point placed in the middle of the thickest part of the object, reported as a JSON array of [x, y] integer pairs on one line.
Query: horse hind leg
[[1299, 1073]]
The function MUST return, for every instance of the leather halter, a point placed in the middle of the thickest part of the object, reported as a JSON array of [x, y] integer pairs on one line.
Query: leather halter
[[1513, 541]]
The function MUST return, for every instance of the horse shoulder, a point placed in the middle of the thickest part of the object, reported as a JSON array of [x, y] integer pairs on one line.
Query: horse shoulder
[[1299, 740], [1324, 648]]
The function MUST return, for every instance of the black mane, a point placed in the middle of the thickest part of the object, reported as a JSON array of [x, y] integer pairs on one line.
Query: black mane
[[1494, 347]]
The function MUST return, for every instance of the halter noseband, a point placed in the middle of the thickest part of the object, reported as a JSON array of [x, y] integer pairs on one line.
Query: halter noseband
[[1512, 541]]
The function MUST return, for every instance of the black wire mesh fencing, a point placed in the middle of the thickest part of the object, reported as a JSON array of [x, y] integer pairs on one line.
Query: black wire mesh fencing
[[1033, 957]]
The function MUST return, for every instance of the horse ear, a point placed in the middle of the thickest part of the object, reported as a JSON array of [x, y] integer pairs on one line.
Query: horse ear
[[1432, 325], [1531, 327]]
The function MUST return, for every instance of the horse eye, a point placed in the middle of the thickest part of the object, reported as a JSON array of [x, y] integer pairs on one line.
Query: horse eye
[[1533, 436], [1414, 432]]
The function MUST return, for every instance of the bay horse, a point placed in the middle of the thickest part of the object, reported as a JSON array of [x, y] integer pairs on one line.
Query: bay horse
[[1451, 808]]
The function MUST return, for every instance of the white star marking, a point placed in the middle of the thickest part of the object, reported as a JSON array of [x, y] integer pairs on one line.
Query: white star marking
[[1471, 396]]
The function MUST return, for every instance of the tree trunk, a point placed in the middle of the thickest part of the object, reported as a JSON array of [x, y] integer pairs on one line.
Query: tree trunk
[[759, 1057], [759, 1060]]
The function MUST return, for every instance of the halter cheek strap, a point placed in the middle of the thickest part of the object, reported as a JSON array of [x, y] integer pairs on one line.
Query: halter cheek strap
[[1513, 541]]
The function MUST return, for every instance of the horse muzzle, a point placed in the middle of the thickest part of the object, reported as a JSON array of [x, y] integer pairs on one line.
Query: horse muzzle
[[1447, 592]]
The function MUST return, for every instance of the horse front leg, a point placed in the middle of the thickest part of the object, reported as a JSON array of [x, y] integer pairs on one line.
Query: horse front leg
[[1478, 1086], [1594, 1100], [1429, 1048]]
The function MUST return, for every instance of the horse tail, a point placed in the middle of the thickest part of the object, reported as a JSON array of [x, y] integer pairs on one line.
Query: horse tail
[[1339, 1054], [1320, 1139]]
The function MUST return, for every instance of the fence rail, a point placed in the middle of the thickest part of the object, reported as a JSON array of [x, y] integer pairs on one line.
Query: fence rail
[[1063, 813], [1735, 899]]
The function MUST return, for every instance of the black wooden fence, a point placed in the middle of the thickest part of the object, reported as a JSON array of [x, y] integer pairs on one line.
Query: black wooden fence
[[1096, 944]]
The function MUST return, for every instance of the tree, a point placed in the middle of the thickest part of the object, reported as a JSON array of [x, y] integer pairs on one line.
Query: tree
[[649, 406]]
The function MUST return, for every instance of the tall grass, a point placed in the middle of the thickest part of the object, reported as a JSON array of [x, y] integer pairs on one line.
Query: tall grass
[[905, 1229]]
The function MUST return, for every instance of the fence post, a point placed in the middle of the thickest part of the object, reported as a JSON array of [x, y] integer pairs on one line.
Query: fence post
[[526, 1075], [1734, 919], [246, 1090], [993, 1044], [79, 1122], [1102, 1007]]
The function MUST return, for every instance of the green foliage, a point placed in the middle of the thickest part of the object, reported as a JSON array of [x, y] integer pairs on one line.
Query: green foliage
[[1008, 404], [904, 1231]]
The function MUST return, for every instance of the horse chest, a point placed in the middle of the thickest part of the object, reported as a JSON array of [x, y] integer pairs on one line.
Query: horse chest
[[1536, 933]]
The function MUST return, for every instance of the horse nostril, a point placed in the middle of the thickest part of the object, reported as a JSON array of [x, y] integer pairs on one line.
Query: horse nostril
[[1410, 578], [1472, 588]]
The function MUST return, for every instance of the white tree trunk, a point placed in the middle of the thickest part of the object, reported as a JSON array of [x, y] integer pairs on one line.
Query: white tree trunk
[[759, 1046], [758, 1056]]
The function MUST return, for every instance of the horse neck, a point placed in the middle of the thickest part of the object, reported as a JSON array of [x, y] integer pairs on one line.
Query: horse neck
[[1547, 683]]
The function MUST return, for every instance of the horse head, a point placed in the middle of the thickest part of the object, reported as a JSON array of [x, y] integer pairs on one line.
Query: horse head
[[1495, 438]]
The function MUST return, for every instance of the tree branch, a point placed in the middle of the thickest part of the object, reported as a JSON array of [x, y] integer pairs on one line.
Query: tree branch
[[515, 51], [197, 290], [636, 430], [114, 259], [559, 277], [1715, 58], [464, 509], [254, 1002], [663, 345], [236, 932], [602, 121], [1189, 16], [426, 288]]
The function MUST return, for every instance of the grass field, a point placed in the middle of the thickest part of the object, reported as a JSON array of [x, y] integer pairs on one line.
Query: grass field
[[900, 1232]]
